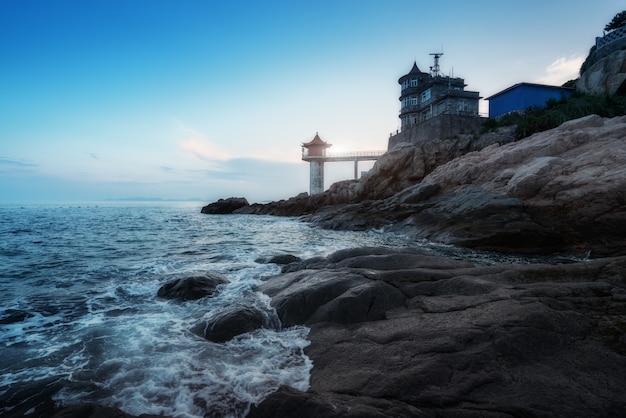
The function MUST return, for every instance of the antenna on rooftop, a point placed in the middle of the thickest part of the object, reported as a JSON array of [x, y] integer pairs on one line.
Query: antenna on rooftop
[[434, 70]]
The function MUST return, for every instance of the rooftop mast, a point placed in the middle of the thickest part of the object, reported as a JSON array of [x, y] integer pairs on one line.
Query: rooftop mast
[[434, 70]]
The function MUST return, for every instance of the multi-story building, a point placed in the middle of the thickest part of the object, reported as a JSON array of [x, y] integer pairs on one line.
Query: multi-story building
[[434, 106]]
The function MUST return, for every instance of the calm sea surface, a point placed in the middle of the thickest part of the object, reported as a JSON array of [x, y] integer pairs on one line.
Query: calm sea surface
[[80, 320]]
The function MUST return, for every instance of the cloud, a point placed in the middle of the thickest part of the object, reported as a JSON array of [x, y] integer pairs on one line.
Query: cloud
[[562, 70], [10, 165], [8, 162], [196, 145]]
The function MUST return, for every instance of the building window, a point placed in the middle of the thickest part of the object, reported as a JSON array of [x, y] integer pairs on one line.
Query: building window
[[426, 96], [413, 101], [414, 82]]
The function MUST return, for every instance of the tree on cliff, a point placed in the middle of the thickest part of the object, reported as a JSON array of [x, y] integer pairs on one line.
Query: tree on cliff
[[618, 21]]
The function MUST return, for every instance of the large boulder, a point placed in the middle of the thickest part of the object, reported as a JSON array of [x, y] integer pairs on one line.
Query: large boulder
[[571, 181], [192, 288], [280, 259], [456, 339], [225, 206], [605, 77], [340, 288]]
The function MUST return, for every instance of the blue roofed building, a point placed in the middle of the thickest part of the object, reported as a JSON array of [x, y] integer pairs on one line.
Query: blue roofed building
[[523, 96]]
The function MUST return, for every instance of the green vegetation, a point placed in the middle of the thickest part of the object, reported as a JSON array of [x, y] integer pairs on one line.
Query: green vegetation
[[536, 120], [589, 61], [618, 21]]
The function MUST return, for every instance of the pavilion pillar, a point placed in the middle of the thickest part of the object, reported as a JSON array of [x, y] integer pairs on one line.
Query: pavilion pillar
[[316, 185]]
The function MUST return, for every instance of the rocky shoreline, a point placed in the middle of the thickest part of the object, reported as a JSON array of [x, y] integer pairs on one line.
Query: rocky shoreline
[[558, 191], [405, 333]]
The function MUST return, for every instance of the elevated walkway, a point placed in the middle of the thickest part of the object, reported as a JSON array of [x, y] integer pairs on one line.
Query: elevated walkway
[[344, 156]]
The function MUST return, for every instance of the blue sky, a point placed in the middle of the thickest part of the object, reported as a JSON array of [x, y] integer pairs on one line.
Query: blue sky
[[205, 99]]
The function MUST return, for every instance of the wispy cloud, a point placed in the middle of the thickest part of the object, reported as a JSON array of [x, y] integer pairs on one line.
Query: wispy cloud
[[13, 166], [196, 145], [8, 162], [562, 70], [92, 155]]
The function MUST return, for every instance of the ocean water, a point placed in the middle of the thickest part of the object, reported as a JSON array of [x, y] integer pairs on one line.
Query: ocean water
[[80, 320]]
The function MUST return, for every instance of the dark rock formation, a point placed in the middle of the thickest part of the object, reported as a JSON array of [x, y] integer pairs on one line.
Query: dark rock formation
[[192, 288], [225, 206], [405, 333], [562, 190], [288, 402], [233, 322], [570, 180], [341, 290], [96, 411]]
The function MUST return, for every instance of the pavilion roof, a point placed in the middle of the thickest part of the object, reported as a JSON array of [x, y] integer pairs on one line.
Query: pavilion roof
[[316, 141]]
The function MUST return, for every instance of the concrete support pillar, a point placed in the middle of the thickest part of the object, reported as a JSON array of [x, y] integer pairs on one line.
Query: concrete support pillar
[[356, 169], [316, 185]]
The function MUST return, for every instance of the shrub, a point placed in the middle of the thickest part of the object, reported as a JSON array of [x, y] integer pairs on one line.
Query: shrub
[[556, 112]]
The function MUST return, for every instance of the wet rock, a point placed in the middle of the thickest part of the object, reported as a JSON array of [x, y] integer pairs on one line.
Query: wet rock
[[192, 288], [225, 206], [455, 339], [233, 322]]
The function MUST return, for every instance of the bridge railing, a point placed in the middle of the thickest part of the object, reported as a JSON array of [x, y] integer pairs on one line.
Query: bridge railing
[[354, 154]]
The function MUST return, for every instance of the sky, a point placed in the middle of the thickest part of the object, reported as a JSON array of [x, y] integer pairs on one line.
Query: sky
[[209, 99]]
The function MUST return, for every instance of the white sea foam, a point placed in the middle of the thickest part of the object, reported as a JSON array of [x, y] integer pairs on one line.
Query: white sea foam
[[79, 311]]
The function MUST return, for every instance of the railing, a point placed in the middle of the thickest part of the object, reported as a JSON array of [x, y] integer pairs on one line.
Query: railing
[[347, 155], [611, 37]]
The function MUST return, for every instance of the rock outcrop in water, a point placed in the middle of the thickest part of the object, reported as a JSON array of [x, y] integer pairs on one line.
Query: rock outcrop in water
[[225, 206], [234, 321], [192, 288], [404, 333]]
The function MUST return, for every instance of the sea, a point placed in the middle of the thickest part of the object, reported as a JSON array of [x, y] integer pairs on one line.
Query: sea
[[80, 320]]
